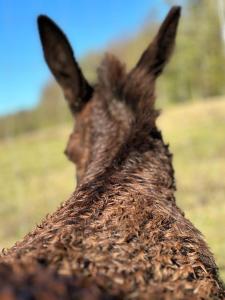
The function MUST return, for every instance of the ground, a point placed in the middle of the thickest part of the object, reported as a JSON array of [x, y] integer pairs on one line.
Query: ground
[[36, 176]]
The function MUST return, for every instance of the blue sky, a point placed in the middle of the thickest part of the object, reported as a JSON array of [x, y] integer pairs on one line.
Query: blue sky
[[88, 24]]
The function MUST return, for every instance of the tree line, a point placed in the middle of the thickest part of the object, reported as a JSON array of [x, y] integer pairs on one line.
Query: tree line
[[196, 71]]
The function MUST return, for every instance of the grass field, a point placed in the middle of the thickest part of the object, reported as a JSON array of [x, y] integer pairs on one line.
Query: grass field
[[36, 177]]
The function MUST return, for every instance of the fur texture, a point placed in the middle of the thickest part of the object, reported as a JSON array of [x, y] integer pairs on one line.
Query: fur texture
[[120, 234]]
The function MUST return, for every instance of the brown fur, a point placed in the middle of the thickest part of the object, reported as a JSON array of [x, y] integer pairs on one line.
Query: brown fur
[[121, 231]]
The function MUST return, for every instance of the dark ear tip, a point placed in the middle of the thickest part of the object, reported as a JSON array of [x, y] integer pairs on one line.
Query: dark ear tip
[[44, 21], [176, 10]]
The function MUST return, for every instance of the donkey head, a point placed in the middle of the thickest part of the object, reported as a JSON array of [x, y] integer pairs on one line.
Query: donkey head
[[106, 114]]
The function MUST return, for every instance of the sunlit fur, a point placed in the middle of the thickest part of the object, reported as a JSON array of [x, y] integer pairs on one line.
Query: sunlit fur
[[120, 235]]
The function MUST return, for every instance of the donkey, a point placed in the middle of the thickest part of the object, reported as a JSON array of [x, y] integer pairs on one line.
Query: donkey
[[121, 228]]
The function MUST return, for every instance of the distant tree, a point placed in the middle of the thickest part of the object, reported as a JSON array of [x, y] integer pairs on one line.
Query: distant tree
[[198, 65], [221, 13], [52, 108], [197, 70]]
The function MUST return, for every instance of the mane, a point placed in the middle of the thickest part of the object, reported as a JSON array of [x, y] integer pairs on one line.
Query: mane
[[111, 75], [135, 89]]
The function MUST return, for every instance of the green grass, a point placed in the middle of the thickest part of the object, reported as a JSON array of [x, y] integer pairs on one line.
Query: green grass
[[36, 177]]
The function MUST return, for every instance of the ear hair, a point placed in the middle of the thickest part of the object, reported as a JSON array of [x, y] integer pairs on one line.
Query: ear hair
[[60, 59], [111, 73], [139, 86], [156, 56]]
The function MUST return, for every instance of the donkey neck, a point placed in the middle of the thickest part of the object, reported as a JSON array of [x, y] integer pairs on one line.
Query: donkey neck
[[142, 166], [140, 171]]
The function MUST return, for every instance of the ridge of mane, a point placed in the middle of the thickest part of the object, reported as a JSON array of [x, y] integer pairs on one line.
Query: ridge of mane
[[115, 83], [111, 73]]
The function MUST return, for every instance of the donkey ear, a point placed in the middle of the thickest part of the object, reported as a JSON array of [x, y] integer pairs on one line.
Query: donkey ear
[[155, 57], [60, 59]]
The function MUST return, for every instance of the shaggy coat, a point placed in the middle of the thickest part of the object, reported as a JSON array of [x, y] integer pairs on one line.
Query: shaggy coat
[[120, 235]]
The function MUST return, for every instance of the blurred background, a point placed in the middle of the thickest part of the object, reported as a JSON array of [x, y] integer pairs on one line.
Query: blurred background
[[35, 122]]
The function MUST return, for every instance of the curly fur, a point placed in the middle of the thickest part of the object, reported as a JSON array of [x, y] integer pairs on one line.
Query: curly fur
[[120, 234]]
